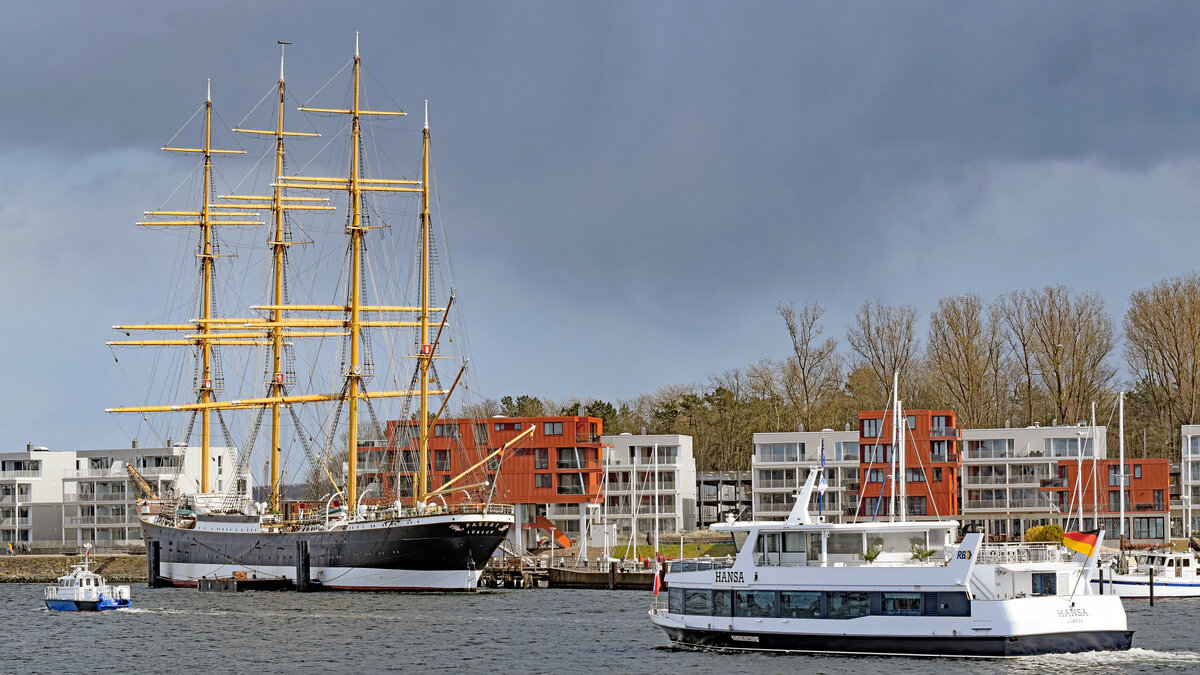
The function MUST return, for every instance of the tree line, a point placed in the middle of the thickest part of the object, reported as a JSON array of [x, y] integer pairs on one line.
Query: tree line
[[1042, 355]]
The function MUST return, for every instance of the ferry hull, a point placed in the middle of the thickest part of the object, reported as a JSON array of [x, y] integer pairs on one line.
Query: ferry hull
[[429, 553], [987, 647]]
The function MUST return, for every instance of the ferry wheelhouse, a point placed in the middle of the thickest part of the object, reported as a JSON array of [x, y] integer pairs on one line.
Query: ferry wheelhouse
[[902, 588]]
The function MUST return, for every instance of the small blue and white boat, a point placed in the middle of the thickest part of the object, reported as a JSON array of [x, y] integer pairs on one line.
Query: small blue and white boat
[[82, 590]]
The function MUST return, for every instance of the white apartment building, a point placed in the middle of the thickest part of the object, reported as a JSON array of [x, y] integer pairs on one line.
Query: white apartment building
[[649, 478], [1003, 471], [60, 500], [1187, 511], [781, 463]]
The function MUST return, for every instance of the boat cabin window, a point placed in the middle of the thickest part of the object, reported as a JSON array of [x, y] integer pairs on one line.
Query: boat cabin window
[[791, 604], [697, 601], [845, 543], [799, 604], [901, 604], [754, 603], [1186, 562], [1045, 583]]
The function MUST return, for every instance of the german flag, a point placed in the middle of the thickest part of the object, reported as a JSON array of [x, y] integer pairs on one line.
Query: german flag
[[1081, 542]]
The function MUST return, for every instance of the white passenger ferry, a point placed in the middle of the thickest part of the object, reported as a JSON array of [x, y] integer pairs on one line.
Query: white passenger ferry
[[903, 588]]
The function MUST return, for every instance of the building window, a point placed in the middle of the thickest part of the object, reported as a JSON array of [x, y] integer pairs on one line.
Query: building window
[[845, 450], [877, 453], [446, 430], [1148, 528], [552, 428], [1137, 470], [1114, 476], [570, 484], [914, 475], [779, 452], [875, 475], [937, 474], [507, 426], [441, 460], [543, 480], [939, 451], [916, 506], [541, 458], [1114, 500], [1158, 500], [872, 428]]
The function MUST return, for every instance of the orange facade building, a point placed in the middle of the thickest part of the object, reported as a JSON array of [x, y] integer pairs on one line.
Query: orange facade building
[[550, 476], [931, 464], [1098, 486]]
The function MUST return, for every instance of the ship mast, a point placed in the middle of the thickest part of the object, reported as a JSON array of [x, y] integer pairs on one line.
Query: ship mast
[[207, 218], [426, 356], [279, 243]]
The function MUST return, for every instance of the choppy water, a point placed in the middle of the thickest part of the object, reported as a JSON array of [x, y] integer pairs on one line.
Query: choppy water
[[503, 631]]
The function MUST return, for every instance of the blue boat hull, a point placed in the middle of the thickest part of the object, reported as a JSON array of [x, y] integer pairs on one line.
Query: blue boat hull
[[86, 606]]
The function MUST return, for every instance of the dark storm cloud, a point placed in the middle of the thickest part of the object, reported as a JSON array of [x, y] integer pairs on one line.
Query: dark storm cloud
[[642, 181]]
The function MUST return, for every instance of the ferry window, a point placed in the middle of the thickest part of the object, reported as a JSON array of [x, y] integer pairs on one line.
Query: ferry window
[[675, 600], [754, 603], [847, 543], [799, 605], [953, 603], [722, 602], [697, 601], [1045, 583], [902, 604], [793, 542], [768, 543], [847, 605]]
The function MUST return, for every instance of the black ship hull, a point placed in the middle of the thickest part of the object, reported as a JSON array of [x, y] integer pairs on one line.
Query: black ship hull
[[421, 553]]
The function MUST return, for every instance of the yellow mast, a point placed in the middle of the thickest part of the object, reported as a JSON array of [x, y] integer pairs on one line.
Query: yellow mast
[[426, 356], [356, 186], [206, 219]]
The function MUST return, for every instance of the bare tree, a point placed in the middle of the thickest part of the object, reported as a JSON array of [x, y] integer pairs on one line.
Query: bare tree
[[812, 376], [963, 358], [1072, 339], [883, 337], [1011, 312], [1162, 346]]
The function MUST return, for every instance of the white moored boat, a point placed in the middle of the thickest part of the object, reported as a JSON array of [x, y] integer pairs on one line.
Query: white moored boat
[[1173, 575], [802, 585]]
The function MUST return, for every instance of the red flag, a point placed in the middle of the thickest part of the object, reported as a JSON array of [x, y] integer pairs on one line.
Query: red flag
[[657, 581]]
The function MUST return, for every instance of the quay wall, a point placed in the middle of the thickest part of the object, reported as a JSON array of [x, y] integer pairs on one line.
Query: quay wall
[[46, 569]]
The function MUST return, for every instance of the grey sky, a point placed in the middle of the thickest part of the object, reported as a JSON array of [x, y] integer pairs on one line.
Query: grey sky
[[633, 186]]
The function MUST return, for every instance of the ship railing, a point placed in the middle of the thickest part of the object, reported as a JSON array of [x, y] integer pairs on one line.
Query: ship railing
[[999, 554], [699, 564]]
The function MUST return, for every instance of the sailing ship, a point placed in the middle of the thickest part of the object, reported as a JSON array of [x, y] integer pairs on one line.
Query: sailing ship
[[419, 540]]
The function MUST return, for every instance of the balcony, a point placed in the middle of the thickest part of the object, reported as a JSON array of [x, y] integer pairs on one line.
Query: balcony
[[111, 472], [102, 497], [986, 480], [13, 500], [13, 475], [776, 484], [943, 432], [16, 522]]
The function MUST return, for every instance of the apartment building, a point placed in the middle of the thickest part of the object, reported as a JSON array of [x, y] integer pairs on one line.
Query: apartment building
[[60, 500], [721, 493], [553, 478], [782, 461], [1186, 510], [651, 486]]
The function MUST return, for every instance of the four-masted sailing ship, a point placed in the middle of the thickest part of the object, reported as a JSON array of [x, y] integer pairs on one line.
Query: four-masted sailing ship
[[427, 542]]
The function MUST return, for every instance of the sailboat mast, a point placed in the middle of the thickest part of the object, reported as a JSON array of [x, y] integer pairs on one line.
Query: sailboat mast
[[206, 270], [426, 357], [355, 281], [278, 248]]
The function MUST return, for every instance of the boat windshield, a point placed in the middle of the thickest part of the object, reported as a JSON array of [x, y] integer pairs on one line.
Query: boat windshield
[[739, 538]]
